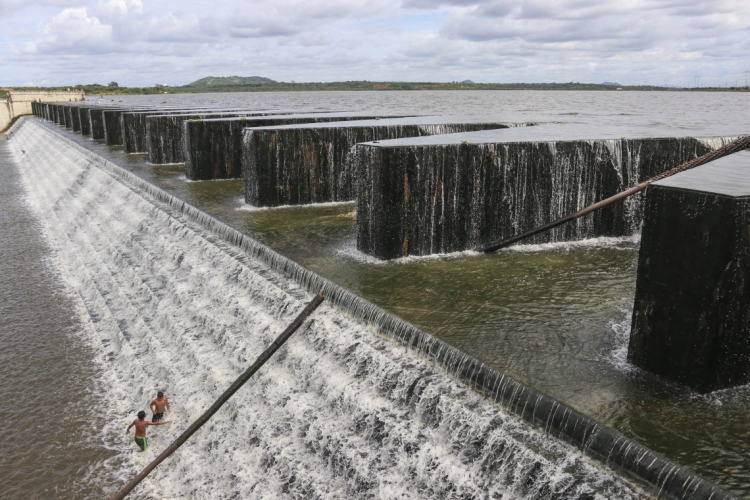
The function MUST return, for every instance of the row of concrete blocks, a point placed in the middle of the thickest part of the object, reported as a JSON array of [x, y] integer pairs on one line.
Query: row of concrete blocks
[[429, 195], [657, 475], [691, 318]]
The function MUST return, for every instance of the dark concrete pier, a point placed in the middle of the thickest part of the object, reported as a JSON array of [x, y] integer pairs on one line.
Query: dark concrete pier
[[85, 120], [214, 146], [691, 319], [313, 163], [165, 133], [134, 124], [112, 118], [456, 192]]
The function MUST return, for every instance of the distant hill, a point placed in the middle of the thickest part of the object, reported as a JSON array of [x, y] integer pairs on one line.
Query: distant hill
[[225, 81], [467, 81], [611, 83]]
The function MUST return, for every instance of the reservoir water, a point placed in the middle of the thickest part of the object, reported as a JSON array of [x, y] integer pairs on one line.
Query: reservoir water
[[556, 317]]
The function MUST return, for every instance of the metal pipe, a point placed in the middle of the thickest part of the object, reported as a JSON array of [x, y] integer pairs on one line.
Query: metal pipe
[[732, 147], [262, 359]]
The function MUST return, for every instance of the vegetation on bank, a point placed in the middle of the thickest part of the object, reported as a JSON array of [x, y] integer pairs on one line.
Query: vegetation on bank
[[92, 89], [261, 84], [224, 81], [225, 85]]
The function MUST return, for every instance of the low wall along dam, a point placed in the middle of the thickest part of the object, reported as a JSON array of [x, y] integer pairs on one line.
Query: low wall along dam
[[19, 103], [191, 232]]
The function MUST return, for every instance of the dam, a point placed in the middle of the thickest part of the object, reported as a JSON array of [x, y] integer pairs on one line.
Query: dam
[[212, 148], [85, 214], [315, 163], [455, 192]]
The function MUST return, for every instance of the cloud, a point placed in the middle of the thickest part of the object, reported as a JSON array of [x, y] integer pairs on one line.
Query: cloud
[[8, 7], [73, 30], [269, 18], [493, 40]]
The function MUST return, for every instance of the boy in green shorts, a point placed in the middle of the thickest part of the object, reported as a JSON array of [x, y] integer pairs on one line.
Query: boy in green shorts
[[140, 429]]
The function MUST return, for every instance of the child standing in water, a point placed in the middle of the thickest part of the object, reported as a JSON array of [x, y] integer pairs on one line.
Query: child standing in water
[[140, 429], [157, 407]]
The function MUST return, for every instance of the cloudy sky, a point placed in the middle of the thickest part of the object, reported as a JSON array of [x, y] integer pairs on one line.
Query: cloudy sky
[[142, 42]]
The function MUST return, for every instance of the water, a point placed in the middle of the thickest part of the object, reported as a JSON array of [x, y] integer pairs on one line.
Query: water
[[556, 317], [683, 113], [337, 413], [58, 440]]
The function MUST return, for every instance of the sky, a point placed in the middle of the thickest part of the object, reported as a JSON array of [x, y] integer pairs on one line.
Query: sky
[[144, 42]]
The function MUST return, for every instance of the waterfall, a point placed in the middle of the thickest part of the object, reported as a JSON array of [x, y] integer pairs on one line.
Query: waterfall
[[421, 200], [303, 165], [85, 120], [182, 303], [96, 117]]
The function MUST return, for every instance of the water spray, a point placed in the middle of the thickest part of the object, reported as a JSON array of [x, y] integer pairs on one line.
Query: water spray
[[732, 147], [262, 359]]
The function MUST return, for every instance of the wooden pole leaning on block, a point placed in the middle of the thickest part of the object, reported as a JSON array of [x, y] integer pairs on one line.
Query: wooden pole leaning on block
[[732, 147], [262, 359]]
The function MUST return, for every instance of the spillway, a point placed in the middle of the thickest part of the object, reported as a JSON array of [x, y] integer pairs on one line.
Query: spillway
[[455, 192], [213, 148], [178, 309], [314, 163], [180, 303]]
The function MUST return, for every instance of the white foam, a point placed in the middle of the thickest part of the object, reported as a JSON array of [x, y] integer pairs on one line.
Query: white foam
[[618, 356], [338, 412], [624, 242], [349, 251], [252, 208]]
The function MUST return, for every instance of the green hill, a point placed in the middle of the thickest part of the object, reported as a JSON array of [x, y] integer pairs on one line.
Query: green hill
[[224, 81]]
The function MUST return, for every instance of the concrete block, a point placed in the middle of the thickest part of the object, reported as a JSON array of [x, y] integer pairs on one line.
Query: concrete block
[[691, 319]]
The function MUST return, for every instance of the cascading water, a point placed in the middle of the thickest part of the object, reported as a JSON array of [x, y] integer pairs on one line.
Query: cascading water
[[428, 199], [339, 411], [96, 119], [298, 166], [213, 147]]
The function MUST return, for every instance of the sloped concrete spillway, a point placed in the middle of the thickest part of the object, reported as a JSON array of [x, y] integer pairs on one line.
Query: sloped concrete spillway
[[456, 192], [178, 297]]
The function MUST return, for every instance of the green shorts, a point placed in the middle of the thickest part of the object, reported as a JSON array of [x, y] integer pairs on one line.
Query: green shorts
[[142, 443]]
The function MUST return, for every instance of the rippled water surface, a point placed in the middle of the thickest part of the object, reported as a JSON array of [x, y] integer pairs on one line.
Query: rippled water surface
[[57, 440], [555, 317]]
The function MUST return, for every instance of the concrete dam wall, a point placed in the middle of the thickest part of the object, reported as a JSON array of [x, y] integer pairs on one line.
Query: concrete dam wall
[[357, 395], [213, 147], [691, 319], [309, 164], [20, 103], [442, 198]]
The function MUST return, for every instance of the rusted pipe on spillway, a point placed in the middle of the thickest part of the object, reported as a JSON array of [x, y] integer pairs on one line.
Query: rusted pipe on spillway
[[732, 147], [262, 359]]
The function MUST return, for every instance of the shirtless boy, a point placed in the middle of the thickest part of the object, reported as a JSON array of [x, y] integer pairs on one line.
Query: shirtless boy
[[140, 429], [157, 407]]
